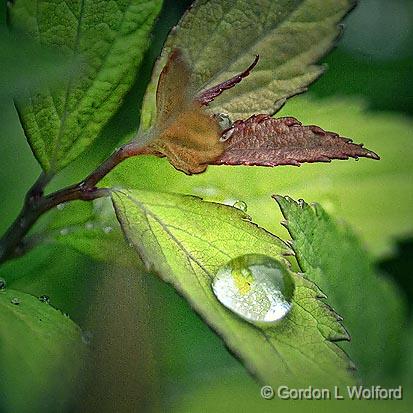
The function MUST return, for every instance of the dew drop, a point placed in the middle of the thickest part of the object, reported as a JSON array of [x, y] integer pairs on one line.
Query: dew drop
[[15, 301], [225, 136], [257, 288], [241, 205], [205, 190], [64, 231], [107, 230], [89, 225], [224, 120], [44, 299], [61, 206], [3, 284], [87, 337]]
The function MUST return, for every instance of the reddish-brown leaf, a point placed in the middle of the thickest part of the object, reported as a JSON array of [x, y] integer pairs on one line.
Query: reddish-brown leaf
[[262, 140], [184, 132], [209, 95]]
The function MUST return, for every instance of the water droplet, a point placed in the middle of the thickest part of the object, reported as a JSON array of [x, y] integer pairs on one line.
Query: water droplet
[[107, 230], [3, 284], [64, 231], [61, 206], [89, 225], [103, 208], [225, 136], [257, 288], [87, 337], [224, 120], [229, 201], [15, 301], [241, 205], [206, 190], [44, 299]]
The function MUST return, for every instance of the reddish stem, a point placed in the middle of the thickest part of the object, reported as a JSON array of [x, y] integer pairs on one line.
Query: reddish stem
[[36, 203]]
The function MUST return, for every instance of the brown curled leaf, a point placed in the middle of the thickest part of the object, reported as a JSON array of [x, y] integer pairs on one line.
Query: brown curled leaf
[[184, 132], [209, 95], [262, 140]]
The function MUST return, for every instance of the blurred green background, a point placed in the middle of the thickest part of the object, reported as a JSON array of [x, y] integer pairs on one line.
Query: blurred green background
[[151, 350]]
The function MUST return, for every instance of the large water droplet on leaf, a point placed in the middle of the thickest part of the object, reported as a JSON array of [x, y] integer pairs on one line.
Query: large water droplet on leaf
[[257, 288]]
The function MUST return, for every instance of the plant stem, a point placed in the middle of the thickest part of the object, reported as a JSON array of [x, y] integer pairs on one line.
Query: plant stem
[[36, 203]]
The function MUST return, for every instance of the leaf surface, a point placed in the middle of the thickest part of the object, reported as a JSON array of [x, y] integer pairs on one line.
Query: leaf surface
[[40, 350], [262, 140], [332, 257], [109, 39], [89, 228], [221, 38], [186, 240]]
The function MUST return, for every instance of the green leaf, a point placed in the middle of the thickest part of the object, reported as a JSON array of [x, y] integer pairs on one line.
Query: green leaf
[[374, 197], [87, 227], [187, 240], [109, 38], [221, 37], [331, 256], [40, 350]]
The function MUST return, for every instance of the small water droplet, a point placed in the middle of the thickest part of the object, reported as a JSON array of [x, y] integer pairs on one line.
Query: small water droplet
[[15, 301], [224, 120], [206, 190], [225, 136], [44, 299], [107, 230], [89, 225], [87, 337], [61, 206], [229, 201], [241, 205], [3, 284], [64, 231], [257, 288]]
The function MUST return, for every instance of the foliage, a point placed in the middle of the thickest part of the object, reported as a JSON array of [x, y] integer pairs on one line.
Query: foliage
[[177, 237], [36, 339], [62, 123], [331, 256], [209, 105]]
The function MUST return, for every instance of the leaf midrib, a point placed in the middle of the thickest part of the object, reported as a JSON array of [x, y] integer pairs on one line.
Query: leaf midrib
[[56, 145]]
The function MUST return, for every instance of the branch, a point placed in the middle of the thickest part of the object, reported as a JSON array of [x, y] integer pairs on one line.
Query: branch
[[36, 203]]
